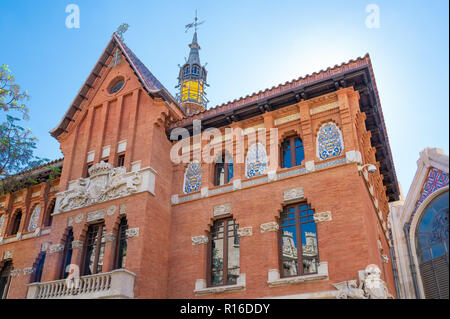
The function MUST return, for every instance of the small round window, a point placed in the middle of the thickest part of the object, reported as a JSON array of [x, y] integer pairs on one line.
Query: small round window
[[116, 85]]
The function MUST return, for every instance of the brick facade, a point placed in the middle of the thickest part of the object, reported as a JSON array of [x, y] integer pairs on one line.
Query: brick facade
[[161, 254]]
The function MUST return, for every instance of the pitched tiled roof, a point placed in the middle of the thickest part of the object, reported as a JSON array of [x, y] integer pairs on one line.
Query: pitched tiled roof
[[267, 93], [148, 80]]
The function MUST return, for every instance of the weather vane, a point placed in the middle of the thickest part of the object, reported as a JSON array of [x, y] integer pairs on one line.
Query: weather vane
[[194, 24], [121, 30], [116, 60]]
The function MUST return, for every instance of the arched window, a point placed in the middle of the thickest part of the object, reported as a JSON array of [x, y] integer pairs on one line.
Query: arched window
[[5, 278], [38, 267], [16, 222], [121, 244], [223, 253], [432, 247], [223, 171], [299, 252], [94, 249], [187, 70], [195, 70], [67, 253], [292, 153], [48, 218]]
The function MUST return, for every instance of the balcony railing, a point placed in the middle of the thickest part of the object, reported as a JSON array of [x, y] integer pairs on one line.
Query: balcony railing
[[116, 284]]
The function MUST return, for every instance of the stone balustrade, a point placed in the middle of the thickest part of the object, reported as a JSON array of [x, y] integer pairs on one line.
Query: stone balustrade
[[117, 284]]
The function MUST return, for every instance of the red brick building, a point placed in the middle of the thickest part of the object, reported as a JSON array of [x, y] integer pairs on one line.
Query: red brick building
[[301, 215]]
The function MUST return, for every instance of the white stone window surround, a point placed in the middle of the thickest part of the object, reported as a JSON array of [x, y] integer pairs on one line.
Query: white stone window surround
[[274, 279], [201, 289]]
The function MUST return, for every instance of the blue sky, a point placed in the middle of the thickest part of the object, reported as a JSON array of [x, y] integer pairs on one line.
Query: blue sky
[[249, 45]]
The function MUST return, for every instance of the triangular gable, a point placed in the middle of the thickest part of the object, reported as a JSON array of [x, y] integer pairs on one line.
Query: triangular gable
[[149, 82]]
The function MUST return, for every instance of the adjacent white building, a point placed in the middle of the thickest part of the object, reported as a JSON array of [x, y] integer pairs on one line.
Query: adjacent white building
[[420, 233]]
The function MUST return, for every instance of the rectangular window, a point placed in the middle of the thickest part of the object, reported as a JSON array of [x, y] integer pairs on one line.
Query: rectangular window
[[224, 253], [121, 160], [94, 249], [122, 244], [298, 241]]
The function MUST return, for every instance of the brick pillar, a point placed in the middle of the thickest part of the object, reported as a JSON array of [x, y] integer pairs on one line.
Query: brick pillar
[[308, 134], [238, 151], [52, 263], [347, 125]]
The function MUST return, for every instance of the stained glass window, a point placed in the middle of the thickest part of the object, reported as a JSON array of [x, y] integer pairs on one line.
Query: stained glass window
[[34, 219], [329, 141], [193, 177], [256, 160], [432, 245]]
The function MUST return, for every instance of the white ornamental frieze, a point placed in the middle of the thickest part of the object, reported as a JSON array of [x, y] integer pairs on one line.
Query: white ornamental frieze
[[104, 183]]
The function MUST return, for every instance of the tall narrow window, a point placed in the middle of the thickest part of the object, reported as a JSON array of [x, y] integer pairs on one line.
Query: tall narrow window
[[67, 254], [292, 153], [224, 253], [5, 279], [299, 253], [121, 160], [94, 249], [16, 223], [48, 218], [38, 267], [122, 244], [88, 166], [223, 171]]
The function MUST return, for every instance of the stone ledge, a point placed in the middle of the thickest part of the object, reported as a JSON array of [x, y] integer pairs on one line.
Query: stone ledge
[[201, 289], [274, 279]]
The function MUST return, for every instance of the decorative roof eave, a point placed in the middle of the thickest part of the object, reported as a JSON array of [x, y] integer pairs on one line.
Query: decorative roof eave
[[89, 83], [309, 86]]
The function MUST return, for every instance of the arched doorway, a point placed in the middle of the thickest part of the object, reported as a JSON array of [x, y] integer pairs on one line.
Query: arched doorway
[[432, 245]]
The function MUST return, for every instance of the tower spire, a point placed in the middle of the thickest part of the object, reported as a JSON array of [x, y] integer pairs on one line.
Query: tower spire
[[192, 76]]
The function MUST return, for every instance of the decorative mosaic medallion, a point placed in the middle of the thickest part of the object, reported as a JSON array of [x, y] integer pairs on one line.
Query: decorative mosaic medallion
[[34, 219], [329, 141], [193, 177], [256, 160]]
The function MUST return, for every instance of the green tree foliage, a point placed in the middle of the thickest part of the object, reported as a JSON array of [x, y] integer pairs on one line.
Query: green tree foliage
[[17, 144]]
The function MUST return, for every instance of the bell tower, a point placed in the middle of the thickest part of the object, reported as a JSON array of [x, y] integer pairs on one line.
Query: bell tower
[[192, 77]]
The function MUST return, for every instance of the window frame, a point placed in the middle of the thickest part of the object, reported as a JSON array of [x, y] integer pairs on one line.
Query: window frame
[[225, 253], [48, 218], [292, 139], [96, 250], [226, 166], [15, 223], [7, 267], [299, 240], [69, 237], [120, 156], [119, 243]]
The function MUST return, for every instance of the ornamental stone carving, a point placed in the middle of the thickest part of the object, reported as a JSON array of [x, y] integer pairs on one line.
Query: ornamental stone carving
[[28, 270], [104, 183], [122, 209], [110, 237], [322, 217], [77, 244], [371, 286], [95, 215], [7, 254], [222, 209], [70, 221], [111, 210], [245, 231], [79, 218], [57, 248], [15, 273], [293, 194], [385, 258], [132, 232], [198, 240], [268, 227]]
